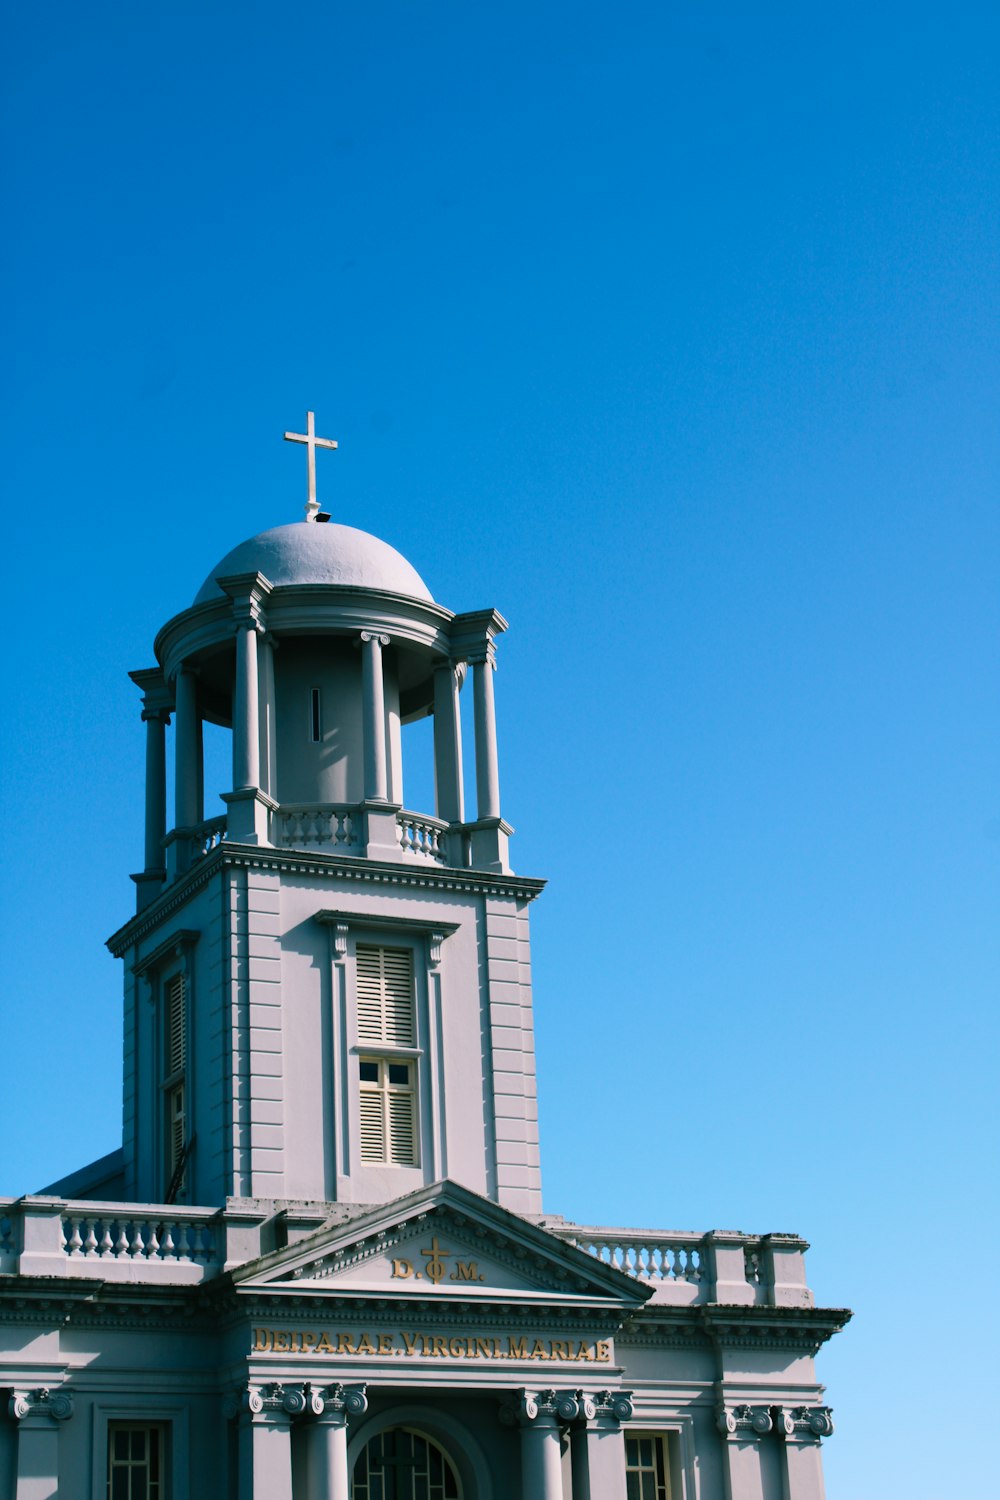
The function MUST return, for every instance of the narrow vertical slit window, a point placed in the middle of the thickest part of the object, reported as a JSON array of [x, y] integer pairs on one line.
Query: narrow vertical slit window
[[175, 1082], [315, 716]]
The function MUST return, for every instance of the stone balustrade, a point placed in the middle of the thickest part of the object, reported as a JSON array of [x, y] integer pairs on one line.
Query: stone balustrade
[[683, 1267], [45, 1236], [422, 836], [334, 827], [207, 836]]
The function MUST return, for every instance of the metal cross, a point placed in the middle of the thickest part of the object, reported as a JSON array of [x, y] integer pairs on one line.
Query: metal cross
[[312, 442]]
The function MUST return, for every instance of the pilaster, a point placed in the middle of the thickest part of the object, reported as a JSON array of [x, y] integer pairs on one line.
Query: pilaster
[[38, 1414], [801, 1429]]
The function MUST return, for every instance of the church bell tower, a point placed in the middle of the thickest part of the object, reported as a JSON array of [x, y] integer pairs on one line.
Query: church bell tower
[[327, 993]]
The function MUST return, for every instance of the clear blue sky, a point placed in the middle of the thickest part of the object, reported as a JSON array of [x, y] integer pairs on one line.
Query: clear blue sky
[[671, 332]]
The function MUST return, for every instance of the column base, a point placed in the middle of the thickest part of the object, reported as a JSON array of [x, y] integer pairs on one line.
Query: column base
[[148, 885], [249, 816], [488, 844]]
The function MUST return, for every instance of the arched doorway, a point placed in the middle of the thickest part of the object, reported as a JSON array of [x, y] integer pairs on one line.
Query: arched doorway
[[402, 1463]]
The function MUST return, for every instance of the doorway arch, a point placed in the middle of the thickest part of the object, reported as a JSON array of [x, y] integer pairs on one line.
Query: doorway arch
[[456, 1445]]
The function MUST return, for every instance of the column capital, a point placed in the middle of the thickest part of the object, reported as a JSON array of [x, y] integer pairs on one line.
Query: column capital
[[43, 1402], [343, 1401], [374, 635], [284, 1401], [248, 592], [742, 1422], [472, 635], [804, 1423], [540, 1408], [157, 698]]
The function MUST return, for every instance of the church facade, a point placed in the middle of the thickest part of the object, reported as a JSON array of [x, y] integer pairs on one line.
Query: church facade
[[319, 1267]]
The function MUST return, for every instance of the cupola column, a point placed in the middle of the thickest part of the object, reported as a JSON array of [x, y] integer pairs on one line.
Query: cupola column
[[448, 745], [249, 806], [487, 767], [373, 714], [157, 705], [188, 811]]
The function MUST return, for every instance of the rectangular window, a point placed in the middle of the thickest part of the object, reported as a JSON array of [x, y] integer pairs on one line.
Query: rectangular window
[[174, 1081], [315, 718], [647, 1471], [388, 1111], [135, 1461], [385, 996]]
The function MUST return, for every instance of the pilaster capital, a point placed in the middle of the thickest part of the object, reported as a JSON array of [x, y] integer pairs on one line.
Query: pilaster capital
[[278, 1401], [528, 1408], [344, 1401], [472, 635], [744, 1422], [41, 1402], [615, 1404], [804, 1423], [157, 699], [376, 636], [248, 592]]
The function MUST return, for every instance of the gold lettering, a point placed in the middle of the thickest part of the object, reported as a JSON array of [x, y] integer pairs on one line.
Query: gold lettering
[[410, 1341], [365, 1345], [402, 1269], [440, 1350], [308, 1342], [470, 1348], [345, 1344], [538, 1350], [518, 1348], [465, 1270], [603, 1353], [425, 1341], [281, 1343], [262, 1341], [324, 1346], [385, 1343], [558, 1350], [584, 1351], [456, 1348]]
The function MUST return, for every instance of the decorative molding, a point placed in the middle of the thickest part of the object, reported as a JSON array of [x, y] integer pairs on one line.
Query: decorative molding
[[565, 1407], [376, 636], [804, 1423], [334, 867], [341, 922], [41, 1402], [744, 1422], [178, 945], [296, 1400]]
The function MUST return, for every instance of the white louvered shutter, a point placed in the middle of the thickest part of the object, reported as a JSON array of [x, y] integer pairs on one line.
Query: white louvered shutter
[[385, 995], [176, 1029], [175, 1061], [402, 1145], [372, 1124]]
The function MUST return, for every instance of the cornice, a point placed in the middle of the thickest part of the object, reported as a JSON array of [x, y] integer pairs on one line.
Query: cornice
[[724, 1326], [325, 866]]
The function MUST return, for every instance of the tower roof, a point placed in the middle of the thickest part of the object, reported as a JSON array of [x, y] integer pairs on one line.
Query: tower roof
[[327, 553]]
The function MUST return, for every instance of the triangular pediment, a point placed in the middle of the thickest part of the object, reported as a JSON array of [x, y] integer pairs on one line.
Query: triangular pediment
[[441, 1242]]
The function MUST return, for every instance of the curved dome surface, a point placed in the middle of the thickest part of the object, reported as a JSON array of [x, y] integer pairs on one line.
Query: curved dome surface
[[319, 552]]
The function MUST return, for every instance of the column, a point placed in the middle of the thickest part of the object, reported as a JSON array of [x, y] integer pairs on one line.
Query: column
[[597, 1445], [38, 1414], [249, 807], [265, 1455], [801, 1428], [448, 790], [188, 811], [537, 1414], [742, 1428], [246, 729], [268, 726], [487, 767], [327, 1474], [373, 714], [157, 706]]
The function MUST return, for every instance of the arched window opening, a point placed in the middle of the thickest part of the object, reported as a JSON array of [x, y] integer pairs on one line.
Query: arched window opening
[[402, 1464]]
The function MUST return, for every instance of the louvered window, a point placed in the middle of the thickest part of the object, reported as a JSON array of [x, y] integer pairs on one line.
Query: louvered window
[[175, 1066], [385, 995], [388, 1111]]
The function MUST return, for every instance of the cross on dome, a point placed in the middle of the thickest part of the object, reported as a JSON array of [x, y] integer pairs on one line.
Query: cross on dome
[[312, 442]]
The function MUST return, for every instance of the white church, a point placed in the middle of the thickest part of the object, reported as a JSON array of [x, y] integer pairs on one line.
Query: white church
[[319, 1267]]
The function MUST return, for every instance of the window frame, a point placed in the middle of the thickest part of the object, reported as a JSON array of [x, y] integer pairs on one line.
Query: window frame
[[661, 1469], [173, 1421]]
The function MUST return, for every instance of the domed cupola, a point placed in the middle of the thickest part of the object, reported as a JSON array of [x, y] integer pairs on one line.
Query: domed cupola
[[316, 644]]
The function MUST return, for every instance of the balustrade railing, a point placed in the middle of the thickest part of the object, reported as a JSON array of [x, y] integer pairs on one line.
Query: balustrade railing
[[421, 835], [208, 836], [676, 1259], [336, 826], [107, 1237]]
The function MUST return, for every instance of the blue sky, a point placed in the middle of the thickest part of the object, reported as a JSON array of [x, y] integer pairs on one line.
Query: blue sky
[[672, 333]]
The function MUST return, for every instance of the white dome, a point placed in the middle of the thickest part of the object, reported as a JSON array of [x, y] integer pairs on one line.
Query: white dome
[[319, 552]]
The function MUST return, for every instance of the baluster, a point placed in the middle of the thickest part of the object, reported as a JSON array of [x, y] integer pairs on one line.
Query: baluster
[[135, 1248], [107, 1245], [90, 1243], [74, 1242], [152, 1244], [691, 1266], [183, 1248], [121, 1243], [167, 1248]]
